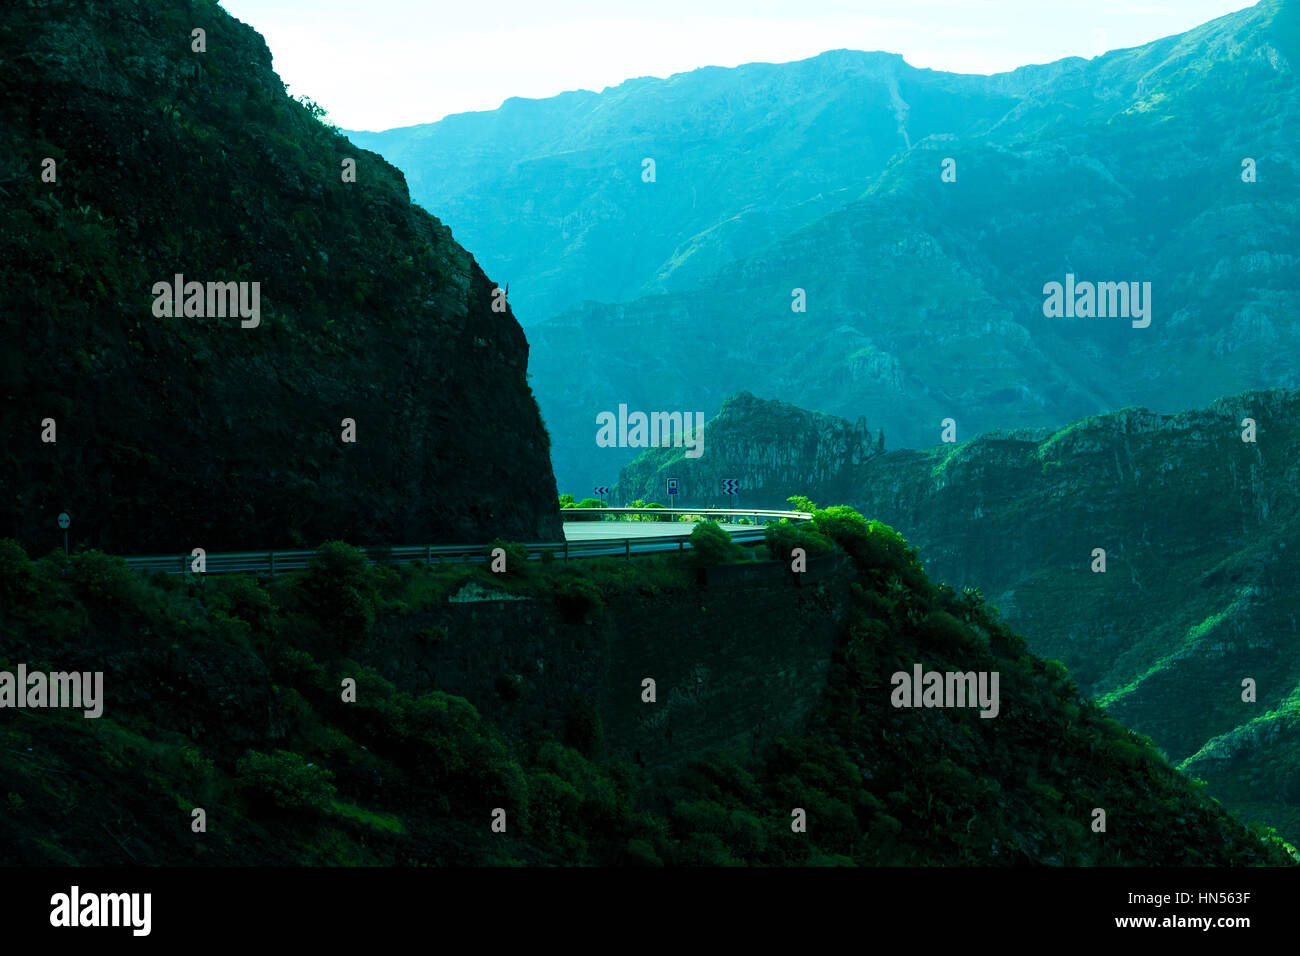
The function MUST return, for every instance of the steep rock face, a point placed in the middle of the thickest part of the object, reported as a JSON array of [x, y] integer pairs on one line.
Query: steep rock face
[[769, 446], [1201, 533], [195, 431], [1198, 528]]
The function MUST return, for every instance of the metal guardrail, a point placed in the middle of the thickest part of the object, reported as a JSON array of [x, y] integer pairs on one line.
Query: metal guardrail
[[702, 512], [274, 562]]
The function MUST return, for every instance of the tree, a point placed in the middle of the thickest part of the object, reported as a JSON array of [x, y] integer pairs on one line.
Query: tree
[[711, 545]]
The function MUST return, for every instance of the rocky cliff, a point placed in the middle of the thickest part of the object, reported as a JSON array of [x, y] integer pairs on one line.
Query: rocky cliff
[[768, 446], [147, 141]]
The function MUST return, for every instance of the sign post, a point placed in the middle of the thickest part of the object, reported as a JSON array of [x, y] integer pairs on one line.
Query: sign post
[[64, 521], [672, 495], [731, 486], [601, 491]]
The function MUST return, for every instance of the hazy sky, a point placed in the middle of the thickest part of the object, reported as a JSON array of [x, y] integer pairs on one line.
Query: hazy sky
[[375, 64]]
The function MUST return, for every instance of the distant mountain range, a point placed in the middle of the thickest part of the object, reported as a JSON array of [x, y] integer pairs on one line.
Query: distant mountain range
[[924, 298]]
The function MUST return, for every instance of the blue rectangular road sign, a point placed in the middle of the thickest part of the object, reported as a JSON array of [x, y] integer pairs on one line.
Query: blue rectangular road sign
[[672, 486]]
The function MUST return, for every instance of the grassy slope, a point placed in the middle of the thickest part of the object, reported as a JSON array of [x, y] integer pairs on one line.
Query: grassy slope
[[225, 694]]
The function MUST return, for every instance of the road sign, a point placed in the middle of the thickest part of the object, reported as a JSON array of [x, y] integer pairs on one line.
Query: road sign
[[64, 520], [601, 491], [731, 486], [672, 486]]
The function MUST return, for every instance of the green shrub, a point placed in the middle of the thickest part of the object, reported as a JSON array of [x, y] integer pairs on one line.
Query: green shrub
[[338, 561], [710, 545], [942, 632], [877, 549], [516, 556], [338, 591], [844, 526], [241, 596], [286, 780], [101, 579], [456, 758], [18, 583], [783, 536]]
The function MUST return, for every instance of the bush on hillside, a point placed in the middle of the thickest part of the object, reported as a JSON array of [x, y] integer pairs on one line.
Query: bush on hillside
[[783, 536], [711, 545], [338, 592], [285, 780]]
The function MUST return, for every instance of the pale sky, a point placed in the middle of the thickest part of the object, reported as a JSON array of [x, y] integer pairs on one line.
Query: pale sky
[[376, 64]]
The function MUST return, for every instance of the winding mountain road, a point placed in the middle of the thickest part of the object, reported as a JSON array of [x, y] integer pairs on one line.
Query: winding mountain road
[[599, 533]]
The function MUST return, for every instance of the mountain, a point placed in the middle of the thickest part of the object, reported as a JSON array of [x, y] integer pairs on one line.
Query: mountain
[[556, 187], [162, 429], [1202, 539], [768, 447], [221, 738], [922, 299], [1201, 534], [360, 713]]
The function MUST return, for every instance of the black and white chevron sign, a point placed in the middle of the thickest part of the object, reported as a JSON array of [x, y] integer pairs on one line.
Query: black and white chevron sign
[[601, 491], [731, 486]]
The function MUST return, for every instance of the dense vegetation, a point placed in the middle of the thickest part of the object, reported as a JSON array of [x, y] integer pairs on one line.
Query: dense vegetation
[[225, 693], [1197, 525]]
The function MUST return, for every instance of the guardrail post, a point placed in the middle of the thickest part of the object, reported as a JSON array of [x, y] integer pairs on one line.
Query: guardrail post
[[272, 564], [428, 554], [566, 550], [627, 548]]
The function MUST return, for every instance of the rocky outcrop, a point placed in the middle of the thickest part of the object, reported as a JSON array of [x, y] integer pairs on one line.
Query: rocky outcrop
[[768, 446]]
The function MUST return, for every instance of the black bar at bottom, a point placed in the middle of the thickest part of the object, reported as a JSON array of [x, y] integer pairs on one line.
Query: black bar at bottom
[[327, 907]]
